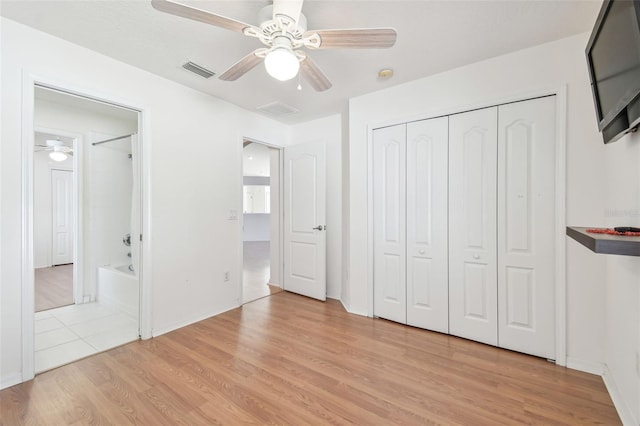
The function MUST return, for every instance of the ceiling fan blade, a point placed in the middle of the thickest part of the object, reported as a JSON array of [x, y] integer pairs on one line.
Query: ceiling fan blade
[[243, 66], [313, 75], [289, 8], [199, 15], [357, 38]]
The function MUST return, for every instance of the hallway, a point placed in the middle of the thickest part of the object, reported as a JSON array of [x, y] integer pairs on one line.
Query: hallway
[[256, 271]]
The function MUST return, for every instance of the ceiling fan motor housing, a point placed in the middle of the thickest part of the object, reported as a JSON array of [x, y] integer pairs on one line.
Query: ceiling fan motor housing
[[282, 24]]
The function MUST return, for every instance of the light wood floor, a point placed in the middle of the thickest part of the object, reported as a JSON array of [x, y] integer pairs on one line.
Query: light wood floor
[[53, 287], [286, 359]]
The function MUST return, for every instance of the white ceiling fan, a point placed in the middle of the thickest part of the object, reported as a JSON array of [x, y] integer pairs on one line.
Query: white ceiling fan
[[58, 151], [283, 29]]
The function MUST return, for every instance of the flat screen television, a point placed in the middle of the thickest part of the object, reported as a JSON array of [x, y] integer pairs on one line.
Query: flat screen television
[[613, 58]]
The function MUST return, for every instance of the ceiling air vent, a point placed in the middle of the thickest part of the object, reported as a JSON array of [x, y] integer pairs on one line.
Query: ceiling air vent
[[277, 109], [197, 69]]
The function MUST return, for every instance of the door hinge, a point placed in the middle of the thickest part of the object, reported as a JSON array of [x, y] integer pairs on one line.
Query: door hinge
[[140, 237]]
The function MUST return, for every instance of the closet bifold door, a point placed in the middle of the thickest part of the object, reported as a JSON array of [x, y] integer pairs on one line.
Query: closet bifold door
[[427, 266], [526, 221], [389, 223], [473, 311]]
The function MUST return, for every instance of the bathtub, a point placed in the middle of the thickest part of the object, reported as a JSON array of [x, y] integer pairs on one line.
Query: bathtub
[[118, 287]]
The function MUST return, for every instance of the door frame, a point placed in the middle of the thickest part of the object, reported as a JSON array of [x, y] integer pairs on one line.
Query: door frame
[[240, 213], [78, 208], [560, 197], [29, 82]]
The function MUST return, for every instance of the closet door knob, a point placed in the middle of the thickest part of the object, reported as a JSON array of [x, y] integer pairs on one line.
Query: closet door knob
[[421, 251], [476, 256]]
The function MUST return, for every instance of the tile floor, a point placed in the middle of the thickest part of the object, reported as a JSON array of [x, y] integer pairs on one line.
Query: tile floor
[[256, 270], [69, 333]]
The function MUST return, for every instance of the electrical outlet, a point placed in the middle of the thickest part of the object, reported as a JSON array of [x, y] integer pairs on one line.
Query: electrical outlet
[[226, 275]]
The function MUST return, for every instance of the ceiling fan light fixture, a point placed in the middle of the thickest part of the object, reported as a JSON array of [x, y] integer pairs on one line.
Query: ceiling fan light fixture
[[57, 156], [282, 64]]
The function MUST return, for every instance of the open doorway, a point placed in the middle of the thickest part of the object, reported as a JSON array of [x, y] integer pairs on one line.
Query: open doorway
[[86, 210], [261, 221], [53, 221]]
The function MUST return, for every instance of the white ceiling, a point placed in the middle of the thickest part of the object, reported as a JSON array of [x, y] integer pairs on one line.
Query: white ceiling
[[433, 36]]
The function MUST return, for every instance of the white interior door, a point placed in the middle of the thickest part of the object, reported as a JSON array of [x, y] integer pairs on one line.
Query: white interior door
[[526, 220], [427, 260], [473, 311], [305, 220], [389, 223], [62, 216]]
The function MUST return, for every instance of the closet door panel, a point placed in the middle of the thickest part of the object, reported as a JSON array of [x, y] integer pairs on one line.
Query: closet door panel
[[473, 311], [389, 223], [526, 220], [427, 263]]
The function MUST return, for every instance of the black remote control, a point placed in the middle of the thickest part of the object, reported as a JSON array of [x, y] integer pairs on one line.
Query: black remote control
[[626, 229]]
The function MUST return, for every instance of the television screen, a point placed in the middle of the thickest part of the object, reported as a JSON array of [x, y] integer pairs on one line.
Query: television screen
[[613, 55]]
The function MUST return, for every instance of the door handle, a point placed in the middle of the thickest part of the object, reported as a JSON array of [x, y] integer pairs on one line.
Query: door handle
[[319, 228]]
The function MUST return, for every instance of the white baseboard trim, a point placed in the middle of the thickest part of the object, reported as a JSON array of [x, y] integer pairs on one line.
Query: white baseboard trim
[[586, 366], [624, 411], [10, 380], [193, 320], [343, 304], [356, 312]]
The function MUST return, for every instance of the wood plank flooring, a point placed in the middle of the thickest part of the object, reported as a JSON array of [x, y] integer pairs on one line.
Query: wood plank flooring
[[53, 287], [286, 359]]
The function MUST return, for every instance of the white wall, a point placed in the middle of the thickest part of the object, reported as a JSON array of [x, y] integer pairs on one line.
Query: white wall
[[192, 142], [622, 279], [328, 129], [547, 66]]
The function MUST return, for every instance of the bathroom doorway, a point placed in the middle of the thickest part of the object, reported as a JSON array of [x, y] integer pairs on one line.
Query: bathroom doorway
[[86, 230], [261, 218]]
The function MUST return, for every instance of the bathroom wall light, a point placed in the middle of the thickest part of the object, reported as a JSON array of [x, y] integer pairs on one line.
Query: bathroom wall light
[[281, 63]]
